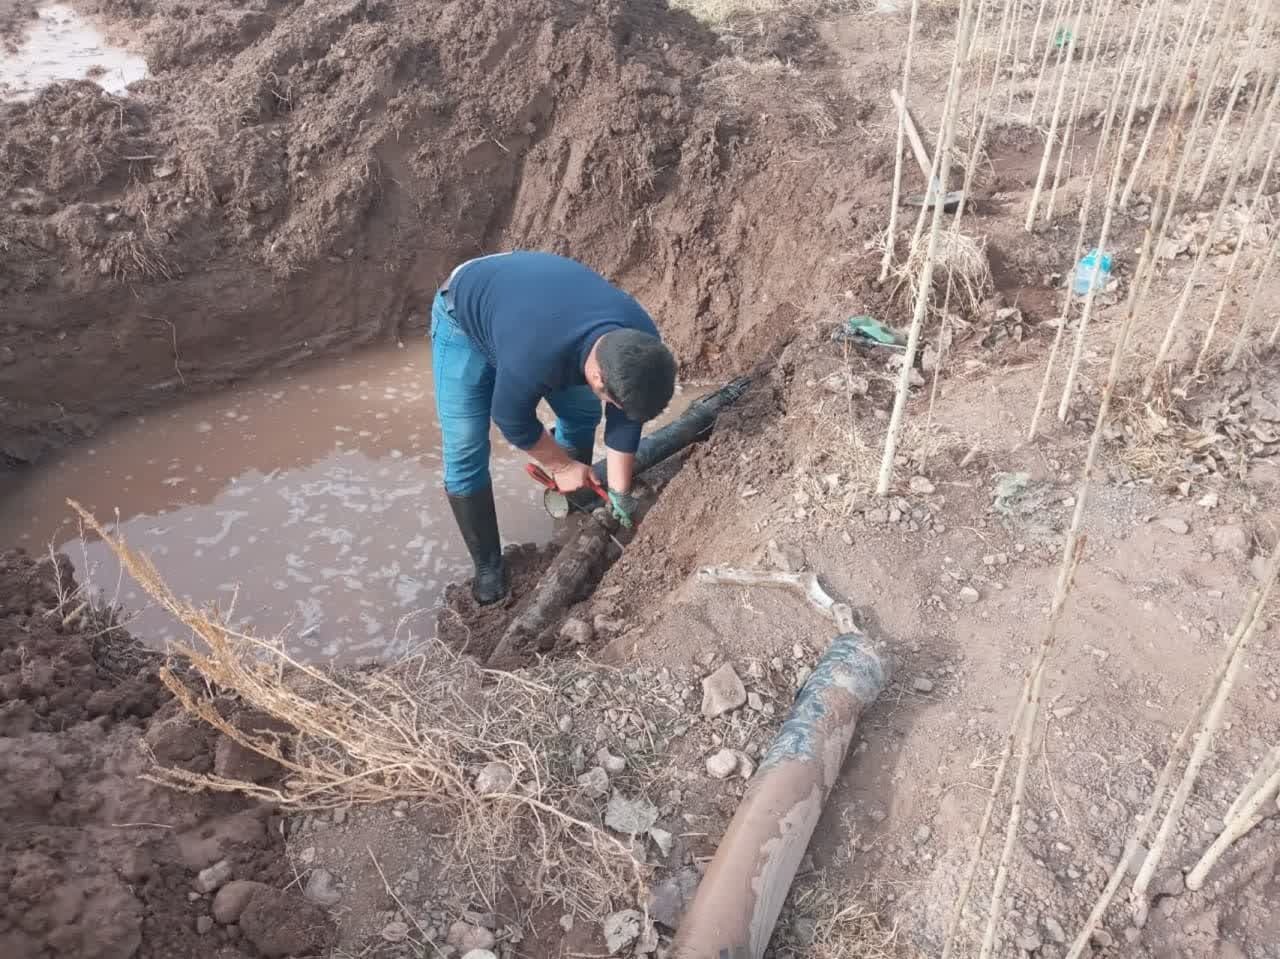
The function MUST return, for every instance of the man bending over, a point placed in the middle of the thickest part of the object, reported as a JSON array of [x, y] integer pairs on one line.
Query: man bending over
[[511, 329]]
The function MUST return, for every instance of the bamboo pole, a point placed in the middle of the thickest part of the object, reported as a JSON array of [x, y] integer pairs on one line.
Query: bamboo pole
[[1166, 88], [1204, 743], [1113, 192], [1086, 209], [1259, 19], [1147, 820], [1044, 59], [1270, 763], [1071, 551], [1235, 262], [1052, 136], [1181, 311], [898, 156], [1255, 304], [976, 33], [943, 174], [1249, 817], [1267, 120], [1097, 31]]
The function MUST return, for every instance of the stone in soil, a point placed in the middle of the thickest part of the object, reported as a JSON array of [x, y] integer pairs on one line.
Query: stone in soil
[[280, 924], [610, 763], [213, 878], [496, 777], [320, 889], [723, 764], [621, 929], [594, 783], [788, 558], [922, 684], [465, 936], [232, 899], [1054, 929], [669, 898], [204, 925], [1175, 524], [922, 485], [633, 817], [395, 931], [1231, 539], [662, 839], [722, 692], [577, 632], [969, 595], [479, 954]]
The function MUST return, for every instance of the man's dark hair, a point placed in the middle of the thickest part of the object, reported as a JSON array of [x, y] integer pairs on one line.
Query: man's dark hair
[[639, 372]]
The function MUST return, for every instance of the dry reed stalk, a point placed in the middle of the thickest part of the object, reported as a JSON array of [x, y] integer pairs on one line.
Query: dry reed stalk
[[1258, 23], [1051, 138], [943, 175], [1180, 312], [1255, 303], [1044, 59], [1270, 763], [1204, 742], [976, 33], [1070, 559], [1109, 210], [1166, 88], [1147, 820], [1268, 119], [411, 731], [901, 150], [1086, 210], [1099, 35], [1235, 262], [1248, 817], [975, 149]]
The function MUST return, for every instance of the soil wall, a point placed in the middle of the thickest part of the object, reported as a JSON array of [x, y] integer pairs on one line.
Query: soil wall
[[297, 178]]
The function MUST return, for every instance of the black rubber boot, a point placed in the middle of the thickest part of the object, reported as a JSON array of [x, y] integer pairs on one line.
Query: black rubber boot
[[477, 520]]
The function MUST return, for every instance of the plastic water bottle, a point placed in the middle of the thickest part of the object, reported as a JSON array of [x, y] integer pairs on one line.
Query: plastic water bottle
[[1093, 270]]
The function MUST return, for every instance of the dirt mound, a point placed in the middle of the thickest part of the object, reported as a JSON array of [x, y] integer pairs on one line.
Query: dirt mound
[[97, 862]]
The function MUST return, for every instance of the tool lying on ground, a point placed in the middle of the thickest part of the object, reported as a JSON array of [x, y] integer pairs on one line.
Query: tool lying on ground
[[951, 200], [557, 504]]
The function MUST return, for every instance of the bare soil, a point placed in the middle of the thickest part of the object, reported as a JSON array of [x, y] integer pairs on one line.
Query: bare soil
[[297, 178]]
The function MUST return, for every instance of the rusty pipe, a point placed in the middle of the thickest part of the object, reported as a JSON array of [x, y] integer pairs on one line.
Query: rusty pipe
[[739, 899]]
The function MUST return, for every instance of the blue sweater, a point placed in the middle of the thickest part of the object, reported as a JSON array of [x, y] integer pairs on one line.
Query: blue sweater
[[536, 316]]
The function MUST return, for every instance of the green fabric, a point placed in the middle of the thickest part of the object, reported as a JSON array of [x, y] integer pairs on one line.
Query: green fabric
[[623, 506], [872, 330]]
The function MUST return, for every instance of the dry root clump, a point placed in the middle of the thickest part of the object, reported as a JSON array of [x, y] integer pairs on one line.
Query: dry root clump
[[960, 263], [419, 730]]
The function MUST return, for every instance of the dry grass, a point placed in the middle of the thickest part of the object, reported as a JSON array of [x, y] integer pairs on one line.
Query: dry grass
[[418, 730], [960, 264], [741, 82], [842, 925], [718, 11]]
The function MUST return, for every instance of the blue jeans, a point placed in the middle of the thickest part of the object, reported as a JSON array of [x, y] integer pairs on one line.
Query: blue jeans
[[464, 395]]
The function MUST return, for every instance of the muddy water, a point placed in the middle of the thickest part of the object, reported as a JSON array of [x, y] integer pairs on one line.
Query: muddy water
[[311, 503], [61, 45]]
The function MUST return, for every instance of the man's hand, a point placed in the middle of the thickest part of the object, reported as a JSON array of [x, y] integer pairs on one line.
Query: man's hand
[[623, 506], [571, 477]]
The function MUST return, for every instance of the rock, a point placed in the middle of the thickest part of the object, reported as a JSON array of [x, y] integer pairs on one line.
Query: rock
[[395, 931], [787, 558], [480, 954], [565, 724], [612, 764], [1175, 525], [1054, 929], [722, 692], [464, 937], [921, 485], [340, 815], [923, 835], [496, 777], [723, 764], [922, 684], [411, 875], [669, 899], [1102, 939], [621, 929], [320, 889], [969, 595], [232, 898], [1258, 567], [878, 516], [1231, 539], [631, 817], [213, 878], [280, 924], [662, 839], [746, 765], [755, 702], [204, 925], [1028, 941], [594, 782], [578, 632]]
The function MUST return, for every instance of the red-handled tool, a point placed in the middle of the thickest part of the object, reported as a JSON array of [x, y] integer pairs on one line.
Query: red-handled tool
[[554, 501]]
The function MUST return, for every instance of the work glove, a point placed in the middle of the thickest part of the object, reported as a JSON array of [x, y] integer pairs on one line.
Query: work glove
[[623, 506]]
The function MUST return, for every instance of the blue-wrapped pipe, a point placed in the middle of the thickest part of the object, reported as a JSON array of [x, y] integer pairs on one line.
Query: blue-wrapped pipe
[[739, 899]]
